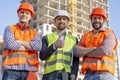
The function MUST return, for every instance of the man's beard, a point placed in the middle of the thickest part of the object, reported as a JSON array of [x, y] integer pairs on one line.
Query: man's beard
[[98, 26], [59, 28]]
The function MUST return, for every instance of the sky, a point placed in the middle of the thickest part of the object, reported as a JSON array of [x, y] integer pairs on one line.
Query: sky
[[9, 16]]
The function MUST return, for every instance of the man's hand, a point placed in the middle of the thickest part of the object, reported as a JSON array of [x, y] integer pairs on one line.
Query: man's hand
[[59, 43], [24, 44]]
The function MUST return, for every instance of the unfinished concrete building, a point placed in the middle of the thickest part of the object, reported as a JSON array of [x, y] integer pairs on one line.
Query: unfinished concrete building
[[79, 11]]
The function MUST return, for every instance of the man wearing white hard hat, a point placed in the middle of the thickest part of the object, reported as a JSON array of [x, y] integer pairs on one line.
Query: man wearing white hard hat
[[60, 64]]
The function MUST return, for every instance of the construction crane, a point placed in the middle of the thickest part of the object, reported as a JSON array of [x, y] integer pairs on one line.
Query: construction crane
[[72, 9]]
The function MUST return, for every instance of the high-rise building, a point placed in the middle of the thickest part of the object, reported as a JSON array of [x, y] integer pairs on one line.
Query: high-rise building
[[79, 11]]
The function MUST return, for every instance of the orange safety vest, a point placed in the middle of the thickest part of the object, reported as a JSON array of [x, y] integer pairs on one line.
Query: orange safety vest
[[32, 76], [11, 57], [105, 63]]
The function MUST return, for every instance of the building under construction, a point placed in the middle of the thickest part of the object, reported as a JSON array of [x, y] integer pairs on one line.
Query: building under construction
[[78, 10]]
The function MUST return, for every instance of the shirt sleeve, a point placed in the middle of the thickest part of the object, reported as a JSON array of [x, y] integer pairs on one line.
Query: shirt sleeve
[[75, 49], [46, 51], [108, 44], [36, 43], [75, 64], [9, 41]]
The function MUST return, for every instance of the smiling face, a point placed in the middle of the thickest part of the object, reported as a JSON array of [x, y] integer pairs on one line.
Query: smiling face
[[61, 22], [24, 16], [97, 22]]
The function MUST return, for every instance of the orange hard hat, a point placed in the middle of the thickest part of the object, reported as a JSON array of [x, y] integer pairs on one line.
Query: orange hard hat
[[99, 12], [26, 6]]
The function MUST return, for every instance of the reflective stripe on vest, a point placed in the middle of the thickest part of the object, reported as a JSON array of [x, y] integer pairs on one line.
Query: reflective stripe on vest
[[100, 61], [32, 57], [105, 63], [13, 56], [17, 55], [59, 60], [60, 52], [62, 57]]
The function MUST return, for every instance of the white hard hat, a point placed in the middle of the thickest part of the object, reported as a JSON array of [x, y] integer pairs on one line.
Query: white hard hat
[[62, 13]]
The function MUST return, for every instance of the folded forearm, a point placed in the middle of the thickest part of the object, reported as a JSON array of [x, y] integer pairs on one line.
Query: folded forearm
[[98, 52], [81, 51], [106, 48]]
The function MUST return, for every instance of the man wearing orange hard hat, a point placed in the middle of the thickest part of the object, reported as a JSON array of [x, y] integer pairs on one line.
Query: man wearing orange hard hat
[[98, 48], [21, 46]]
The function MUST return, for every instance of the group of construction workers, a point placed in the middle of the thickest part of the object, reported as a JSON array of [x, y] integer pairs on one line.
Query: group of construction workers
[[60, 50]]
